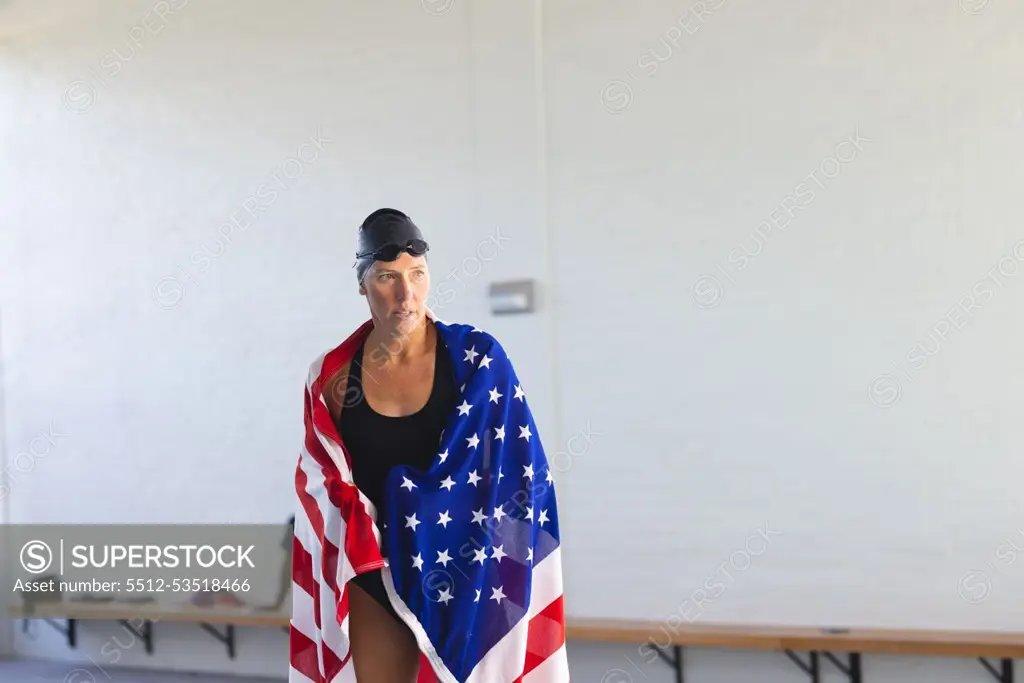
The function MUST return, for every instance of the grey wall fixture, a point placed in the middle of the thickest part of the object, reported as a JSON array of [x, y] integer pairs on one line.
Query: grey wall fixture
[[511, 297]]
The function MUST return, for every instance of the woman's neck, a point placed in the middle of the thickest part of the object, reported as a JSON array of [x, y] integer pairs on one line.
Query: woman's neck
[[399, 348]]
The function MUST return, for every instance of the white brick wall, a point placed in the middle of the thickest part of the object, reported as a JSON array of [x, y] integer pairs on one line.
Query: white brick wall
[[623, 173], [746, 397]]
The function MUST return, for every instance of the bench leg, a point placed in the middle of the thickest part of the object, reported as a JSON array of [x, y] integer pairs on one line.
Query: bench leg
[[852, 669], [145, 635], [675, 661], [228, 637], [1005, 672], [69, 630], [812, 669]]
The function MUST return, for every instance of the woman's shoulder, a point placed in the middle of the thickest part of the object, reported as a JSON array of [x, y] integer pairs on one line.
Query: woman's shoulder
[[466, 335], [471, 343], [329, 360]]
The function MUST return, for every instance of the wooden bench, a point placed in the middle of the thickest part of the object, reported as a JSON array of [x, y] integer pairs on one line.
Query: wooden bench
[[139, 619], [668, 642], [663, 639]]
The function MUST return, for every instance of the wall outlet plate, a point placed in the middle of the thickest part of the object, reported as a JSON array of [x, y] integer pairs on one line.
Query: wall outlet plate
[[514, 296]]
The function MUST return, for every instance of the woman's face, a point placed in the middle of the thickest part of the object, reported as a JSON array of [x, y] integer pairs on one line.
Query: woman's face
[[397, 292]]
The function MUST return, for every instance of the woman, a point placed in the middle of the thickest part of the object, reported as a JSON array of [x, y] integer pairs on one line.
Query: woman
[[400, 389], [384, 412]]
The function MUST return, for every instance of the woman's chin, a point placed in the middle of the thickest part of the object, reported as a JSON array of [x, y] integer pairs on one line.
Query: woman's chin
[[404, 324]]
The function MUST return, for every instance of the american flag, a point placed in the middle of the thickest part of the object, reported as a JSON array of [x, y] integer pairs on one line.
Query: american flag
[[472, 545]]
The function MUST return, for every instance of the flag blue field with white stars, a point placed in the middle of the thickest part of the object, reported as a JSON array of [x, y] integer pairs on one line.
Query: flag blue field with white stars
[[463, 538]]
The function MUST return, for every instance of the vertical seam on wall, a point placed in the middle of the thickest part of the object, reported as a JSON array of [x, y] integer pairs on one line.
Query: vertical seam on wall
[[7, 645], [549, 252], [4, 502], [474, 125]]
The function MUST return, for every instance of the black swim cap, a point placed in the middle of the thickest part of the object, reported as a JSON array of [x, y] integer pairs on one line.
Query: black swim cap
[[383, 236]]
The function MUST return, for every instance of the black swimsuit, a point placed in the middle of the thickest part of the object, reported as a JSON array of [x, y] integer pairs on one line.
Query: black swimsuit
[[376, 442]]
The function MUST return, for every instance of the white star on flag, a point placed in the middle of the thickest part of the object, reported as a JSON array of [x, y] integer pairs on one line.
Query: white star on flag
[[479, 516], [443, 558], [444, 455], [417, 561], [499, 433], [411, 521], [520, 394], [407, 483], [444, 519], [464, 408], [497, 594], [471, 354], [528, 472], [499, 552], [473, 441], [543, 517], [524, 432], [444, 596], [474, 478], [447, 484], [499, 513], [479, 556], [495, 395], [485, 362]]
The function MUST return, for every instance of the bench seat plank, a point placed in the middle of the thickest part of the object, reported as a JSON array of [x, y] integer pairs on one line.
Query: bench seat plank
[[892, 641], [238, 616]]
